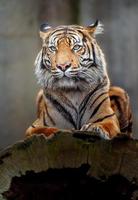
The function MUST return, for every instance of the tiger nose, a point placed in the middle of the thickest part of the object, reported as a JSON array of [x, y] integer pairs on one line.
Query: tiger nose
[[63, 67]]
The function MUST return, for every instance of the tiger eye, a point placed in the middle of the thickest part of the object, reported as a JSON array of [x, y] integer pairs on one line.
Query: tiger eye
[[52, 48], [77, 47]]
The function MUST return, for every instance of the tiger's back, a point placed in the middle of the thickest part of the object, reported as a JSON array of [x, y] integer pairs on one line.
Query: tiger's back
[[120, 103]]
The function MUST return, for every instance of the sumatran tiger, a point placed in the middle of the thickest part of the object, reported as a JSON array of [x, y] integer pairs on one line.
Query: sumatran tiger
[[76, 92]]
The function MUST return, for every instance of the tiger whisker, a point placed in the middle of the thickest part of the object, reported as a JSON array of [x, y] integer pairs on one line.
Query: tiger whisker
[[56, 73], [75, 73], [75, 70]]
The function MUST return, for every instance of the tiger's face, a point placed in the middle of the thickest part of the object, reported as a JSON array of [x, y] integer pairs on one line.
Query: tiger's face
[[70, 58]]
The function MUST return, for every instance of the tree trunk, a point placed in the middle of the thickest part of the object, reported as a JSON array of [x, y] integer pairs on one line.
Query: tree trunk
[[70, 166]]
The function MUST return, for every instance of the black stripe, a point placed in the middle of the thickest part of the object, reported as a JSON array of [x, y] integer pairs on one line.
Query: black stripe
[[86, 99], [105, 117], [97, 107], [44, 50], [89, 52], [81, 34], [116, 99], [84, 51], [98, 98], [44, 121], [74, 38], [128, 128], [57, 35], [61, 31], [87, 59], [84, 38], [57, 30], [61, 110], [42, 65], [83, 106], [93, 51]]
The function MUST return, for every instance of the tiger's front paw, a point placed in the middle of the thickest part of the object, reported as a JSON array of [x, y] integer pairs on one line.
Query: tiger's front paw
[[47, 131], [97, 130]]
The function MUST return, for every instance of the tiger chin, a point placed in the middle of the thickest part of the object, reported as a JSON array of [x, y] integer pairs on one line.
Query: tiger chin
[[76, 93]]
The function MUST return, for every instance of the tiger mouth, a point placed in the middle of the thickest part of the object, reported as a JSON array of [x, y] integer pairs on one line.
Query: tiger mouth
[[66, 74]]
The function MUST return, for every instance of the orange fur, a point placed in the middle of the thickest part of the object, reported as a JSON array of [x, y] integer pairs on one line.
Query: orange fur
[[41, 130]]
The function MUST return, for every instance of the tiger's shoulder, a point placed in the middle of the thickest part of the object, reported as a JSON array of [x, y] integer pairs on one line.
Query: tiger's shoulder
[[40, 102]]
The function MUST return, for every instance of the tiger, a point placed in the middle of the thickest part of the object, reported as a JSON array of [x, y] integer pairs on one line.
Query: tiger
[[76, 93]]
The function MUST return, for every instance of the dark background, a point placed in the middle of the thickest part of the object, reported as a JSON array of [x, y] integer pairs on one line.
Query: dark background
[[20, 43]]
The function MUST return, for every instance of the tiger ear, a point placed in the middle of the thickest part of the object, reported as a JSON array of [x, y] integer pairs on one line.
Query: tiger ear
[[96, 28], [44, 30]]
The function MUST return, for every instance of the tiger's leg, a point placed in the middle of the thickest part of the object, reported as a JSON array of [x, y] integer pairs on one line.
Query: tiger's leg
[[104, 123], [120, 103], [107, 129], [38, 128]]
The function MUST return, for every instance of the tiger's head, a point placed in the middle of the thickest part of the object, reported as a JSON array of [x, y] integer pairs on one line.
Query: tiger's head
[[70, 57]]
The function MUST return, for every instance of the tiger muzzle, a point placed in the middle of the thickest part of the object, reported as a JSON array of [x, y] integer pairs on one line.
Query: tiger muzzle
[[63, 67]]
